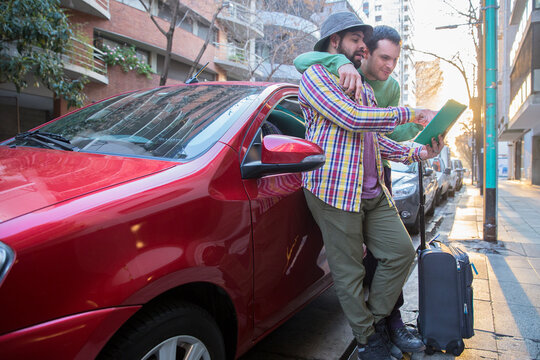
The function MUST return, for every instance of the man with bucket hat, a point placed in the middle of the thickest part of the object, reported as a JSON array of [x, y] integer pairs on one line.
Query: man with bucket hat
[[384, 47], [347, 196]]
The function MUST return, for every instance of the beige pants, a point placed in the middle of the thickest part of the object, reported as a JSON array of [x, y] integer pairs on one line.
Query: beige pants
[[378, 226]]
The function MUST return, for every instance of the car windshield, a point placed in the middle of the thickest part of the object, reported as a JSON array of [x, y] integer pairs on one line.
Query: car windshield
[[400, 167], [177, 123]]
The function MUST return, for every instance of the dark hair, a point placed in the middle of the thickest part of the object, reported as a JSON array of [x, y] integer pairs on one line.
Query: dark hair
[[382, 32]]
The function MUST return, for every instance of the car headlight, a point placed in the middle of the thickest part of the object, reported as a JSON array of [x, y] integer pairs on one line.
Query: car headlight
[[6, 260], [403, 191]]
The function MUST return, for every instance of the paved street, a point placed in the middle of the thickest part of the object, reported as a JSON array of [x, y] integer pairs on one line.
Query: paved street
[[507, 287]]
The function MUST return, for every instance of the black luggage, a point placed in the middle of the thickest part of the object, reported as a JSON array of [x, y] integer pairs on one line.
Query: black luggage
[[445, 292]]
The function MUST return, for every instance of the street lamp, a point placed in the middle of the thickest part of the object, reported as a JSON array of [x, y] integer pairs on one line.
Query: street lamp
[[454, 26]]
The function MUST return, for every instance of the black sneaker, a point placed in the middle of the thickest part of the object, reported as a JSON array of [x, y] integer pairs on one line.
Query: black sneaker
[[375, 349], [405, 340], [382, 329]]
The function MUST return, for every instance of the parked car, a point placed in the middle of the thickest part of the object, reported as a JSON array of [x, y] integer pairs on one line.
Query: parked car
[[406, 192], [454, 179], [458, 167], [443, 178], [168, 220]]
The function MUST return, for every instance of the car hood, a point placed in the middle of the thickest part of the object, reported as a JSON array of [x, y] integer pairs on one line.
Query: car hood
[[401, 177], [32, 178]]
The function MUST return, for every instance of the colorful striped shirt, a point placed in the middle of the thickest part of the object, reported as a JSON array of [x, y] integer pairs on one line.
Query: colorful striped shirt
[[337, 124]]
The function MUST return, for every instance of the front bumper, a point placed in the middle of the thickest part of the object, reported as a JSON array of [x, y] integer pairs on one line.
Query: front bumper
[[79, 336], [408, 209]]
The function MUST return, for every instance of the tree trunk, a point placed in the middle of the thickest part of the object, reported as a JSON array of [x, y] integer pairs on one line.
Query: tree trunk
[[169, 36], [206, 41]]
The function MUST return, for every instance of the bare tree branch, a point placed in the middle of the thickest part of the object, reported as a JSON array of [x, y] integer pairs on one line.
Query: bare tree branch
[[206, 41], [460, 67], [148, 10]]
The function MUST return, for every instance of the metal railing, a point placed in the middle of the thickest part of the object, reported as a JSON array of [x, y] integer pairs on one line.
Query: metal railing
[[242, 14], [86, 56], [236, 54]]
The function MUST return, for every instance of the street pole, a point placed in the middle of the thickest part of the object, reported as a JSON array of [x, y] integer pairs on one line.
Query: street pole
[[490, 138]]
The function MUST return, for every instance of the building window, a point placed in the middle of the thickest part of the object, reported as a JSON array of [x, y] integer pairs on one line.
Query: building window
[[378, 7], [537, 4], [142, 55], [378, 18]]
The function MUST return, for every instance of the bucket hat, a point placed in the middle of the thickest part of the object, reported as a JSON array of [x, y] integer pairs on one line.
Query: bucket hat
[[338, 22]]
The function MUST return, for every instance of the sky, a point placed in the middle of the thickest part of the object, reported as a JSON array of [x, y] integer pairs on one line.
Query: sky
[[446, 43]]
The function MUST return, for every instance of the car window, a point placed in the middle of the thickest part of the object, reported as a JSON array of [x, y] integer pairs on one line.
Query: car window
[[287, 117], [177, 123]]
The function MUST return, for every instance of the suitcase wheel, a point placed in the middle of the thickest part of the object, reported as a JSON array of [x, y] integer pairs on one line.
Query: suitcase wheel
[[455, 348], [429, 350]]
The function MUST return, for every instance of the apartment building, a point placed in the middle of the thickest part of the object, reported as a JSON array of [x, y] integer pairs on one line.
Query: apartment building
[[400, 15], [518, 102], [290, 28]]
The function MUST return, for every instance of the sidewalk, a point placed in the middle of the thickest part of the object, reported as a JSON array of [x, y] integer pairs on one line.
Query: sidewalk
[[507, 287]]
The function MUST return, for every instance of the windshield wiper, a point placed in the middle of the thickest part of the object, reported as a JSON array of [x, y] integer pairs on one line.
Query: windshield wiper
[[50, 140]]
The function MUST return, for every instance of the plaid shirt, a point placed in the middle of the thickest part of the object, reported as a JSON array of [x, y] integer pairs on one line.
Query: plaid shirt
[[336, 123]]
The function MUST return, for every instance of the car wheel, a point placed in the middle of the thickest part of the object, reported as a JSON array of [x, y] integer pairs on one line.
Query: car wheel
[[444, 196], [431, 210], [168, 332], [451, 193]]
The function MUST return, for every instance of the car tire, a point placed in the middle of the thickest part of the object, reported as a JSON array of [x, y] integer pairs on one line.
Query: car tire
[[451, 193], [431, 210], [179, 327], [444, 196]]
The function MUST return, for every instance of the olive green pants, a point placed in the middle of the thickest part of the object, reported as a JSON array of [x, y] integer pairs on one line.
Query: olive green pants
[[379, 226]]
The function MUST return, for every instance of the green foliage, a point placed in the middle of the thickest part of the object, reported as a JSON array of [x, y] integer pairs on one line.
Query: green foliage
[[33, 36], [126, 57]]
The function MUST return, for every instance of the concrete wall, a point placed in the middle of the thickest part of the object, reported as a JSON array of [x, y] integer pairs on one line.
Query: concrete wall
[[535, 168]]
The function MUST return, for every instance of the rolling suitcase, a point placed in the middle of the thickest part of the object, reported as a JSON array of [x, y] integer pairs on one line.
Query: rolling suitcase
[[445, 292]]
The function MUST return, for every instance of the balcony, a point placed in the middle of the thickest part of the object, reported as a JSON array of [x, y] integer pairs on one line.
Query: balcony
[[241, 21], [84, 59], [99, 8], [239, 63], [290, 22]]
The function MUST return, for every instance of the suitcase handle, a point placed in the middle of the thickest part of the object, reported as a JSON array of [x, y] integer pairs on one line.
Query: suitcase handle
[[421, 208]]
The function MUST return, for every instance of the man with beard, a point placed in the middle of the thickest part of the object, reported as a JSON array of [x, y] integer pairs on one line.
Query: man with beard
[[347, 196], [384, 47]]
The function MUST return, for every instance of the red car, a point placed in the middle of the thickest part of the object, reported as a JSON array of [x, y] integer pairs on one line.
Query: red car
[[167, 223]]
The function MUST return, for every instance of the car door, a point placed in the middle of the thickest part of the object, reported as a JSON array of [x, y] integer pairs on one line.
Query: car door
[[289, 259]]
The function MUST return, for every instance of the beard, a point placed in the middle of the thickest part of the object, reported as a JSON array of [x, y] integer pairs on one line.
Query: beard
[[351, 55]]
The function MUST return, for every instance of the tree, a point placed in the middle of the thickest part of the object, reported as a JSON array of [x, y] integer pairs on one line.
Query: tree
[[206, 41], [34, 35], [175, 8], [429, 79], [285, 37]]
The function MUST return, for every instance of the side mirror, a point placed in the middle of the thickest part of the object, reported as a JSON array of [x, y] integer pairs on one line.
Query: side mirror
[[428, 172], [282, 154], [447, 171]]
